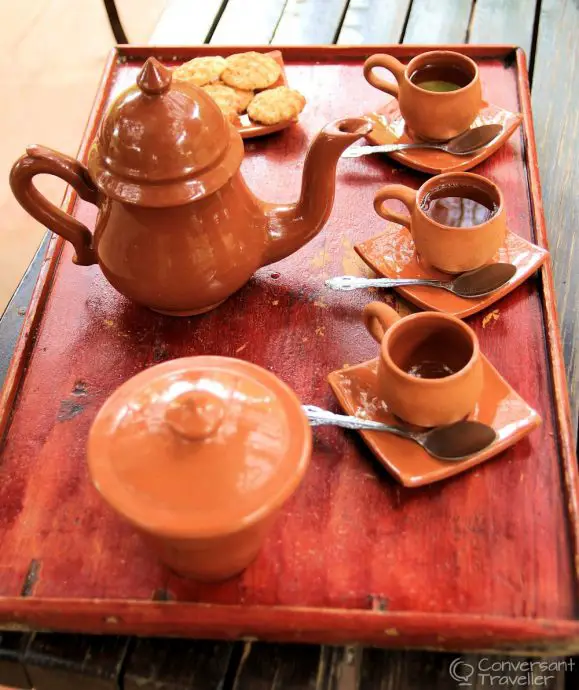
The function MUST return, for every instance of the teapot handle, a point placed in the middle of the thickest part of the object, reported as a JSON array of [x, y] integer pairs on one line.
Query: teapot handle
[[41, 160]]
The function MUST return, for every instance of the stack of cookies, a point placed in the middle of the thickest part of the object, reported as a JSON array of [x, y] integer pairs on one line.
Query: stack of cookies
[[244, 83]]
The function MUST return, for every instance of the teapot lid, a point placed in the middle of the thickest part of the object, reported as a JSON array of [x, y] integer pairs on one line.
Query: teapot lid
[[199, 446], [163, 143]]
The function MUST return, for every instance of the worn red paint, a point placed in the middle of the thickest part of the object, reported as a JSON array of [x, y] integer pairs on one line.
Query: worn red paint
[[485, 560]]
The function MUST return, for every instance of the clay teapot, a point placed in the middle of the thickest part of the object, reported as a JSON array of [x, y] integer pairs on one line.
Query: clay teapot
[[178, 230]]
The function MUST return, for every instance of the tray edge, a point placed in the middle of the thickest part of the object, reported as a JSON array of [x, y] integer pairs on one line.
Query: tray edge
[[423, 630], [136, 51], [18, 613]]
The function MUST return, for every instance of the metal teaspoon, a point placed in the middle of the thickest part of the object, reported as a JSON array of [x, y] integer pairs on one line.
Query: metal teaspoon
[[454, 442], [477, 283], [463, 145]]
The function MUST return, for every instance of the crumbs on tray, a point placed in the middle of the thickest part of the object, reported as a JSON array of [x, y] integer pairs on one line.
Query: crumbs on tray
[[490, 317]]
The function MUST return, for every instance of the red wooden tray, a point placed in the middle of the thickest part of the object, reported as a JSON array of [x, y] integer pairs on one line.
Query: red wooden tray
[[486, 560]]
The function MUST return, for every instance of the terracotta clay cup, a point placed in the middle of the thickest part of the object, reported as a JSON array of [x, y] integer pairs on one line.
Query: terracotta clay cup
[[448, 248], [430, 115], [200, 454], [441, 350]]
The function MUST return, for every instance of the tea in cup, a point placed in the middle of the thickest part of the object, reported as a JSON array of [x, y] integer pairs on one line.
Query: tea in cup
[[457, 220], [439, 92], [430, 370]]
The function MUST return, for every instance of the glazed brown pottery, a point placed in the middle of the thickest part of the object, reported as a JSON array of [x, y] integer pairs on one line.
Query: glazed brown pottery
[[200, 454], [445, 246], [357, 390], [178, 230], [431, 115], [392, 254], [390, 128], [430, 371]]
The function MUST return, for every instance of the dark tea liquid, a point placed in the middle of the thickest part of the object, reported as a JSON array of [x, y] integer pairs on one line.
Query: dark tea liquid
[[431, 352], [429, 369], [440, 78], [459, 206]]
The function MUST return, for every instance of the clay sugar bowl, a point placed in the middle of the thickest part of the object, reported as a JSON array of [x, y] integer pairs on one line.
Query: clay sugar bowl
[[200, 454], [178, 230]]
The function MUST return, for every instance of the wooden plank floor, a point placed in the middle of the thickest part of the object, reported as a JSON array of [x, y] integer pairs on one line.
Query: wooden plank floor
[[547, 29], [556, 116]]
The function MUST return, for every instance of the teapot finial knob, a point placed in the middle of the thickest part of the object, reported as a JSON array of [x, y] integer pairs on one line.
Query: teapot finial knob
[[154, 78]]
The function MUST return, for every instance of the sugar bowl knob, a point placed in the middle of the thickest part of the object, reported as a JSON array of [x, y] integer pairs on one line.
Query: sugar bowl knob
[[195, 415]]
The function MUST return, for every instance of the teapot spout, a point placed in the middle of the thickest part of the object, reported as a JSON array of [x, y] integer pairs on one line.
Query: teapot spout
[[293, 225]]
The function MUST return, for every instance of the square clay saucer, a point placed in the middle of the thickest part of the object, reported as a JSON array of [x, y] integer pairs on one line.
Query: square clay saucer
[[390, 128], [392, 255], [499, 406]]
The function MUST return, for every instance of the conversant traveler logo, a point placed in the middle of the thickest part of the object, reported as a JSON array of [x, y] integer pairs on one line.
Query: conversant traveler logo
[[462, 672], [503, 673]]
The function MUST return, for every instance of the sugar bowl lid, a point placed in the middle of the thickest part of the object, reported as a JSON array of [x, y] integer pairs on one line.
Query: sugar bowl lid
[[199, 447], [163, 143]]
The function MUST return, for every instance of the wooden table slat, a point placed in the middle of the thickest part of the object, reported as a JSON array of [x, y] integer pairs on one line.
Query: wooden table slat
[[13, 318], [374, 21], [248, 22], [174, 664], [383, 669], [438, 21], [69, 662], [12, 671], [500, 21], [556, 117], [344, 668], [186, 22], [310, 21], [411, 670], [282, 667]]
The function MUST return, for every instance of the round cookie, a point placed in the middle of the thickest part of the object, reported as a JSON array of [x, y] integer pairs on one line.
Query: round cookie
[[200, 70], [235, 97], [244, 98], [226, 98], [248, 71], [276, 105]]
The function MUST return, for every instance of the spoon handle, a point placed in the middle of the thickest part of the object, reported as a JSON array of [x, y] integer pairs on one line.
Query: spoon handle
[[357, 151], [355, 283], [320, 417]]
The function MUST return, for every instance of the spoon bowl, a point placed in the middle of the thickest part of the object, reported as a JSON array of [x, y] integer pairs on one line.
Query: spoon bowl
[[458, 441], [483, 281], [472, 140]]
